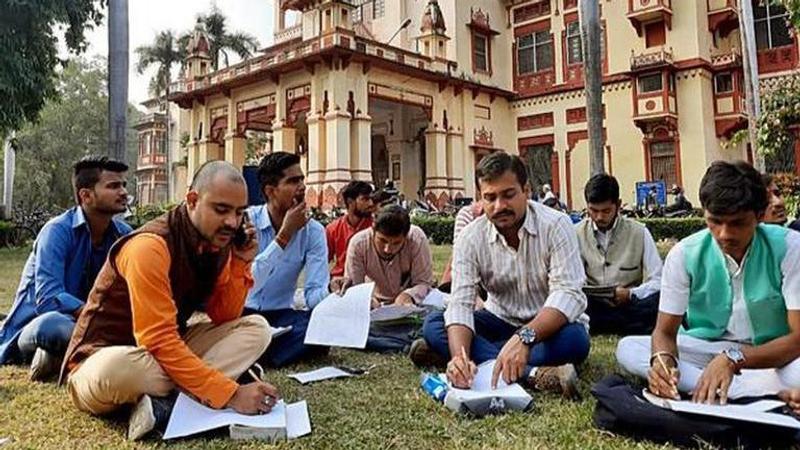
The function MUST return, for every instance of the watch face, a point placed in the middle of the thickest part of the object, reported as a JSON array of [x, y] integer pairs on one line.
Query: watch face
[[735, 354], [526, 335]]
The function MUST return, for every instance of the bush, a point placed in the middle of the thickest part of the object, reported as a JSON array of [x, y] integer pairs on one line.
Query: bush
[[673, 228], [145, 213], [438, 229]]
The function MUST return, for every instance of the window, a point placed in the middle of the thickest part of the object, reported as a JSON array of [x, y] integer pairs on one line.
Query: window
[[771, 28], [723, 83], [534, 52], [574, 46], [480, 52], [655, 34], [650, 83], [662, 162], [378, 9]]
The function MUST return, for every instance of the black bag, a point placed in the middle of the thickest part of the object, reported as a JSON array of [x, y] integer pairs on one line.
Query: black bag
[[622, 409]]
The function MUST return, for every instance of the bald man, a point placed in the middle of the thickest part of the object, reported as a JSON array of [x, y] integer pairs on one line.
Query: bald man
[[132, 343]]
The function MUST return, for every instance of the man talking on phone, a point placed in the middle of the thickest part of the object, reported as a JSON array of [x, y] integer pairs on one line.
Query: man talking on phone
[[133, 342], [289, 242]]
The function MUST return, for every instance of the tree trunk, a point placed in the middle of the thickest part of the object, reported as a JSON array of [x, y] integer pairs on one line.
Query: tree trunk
[[117, 78], [8, 177], [589, 16], [752, 93]]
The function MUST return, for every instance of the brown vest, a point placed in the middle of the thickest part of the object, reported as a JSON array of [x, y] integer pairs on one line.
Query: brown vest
[[107, 320]]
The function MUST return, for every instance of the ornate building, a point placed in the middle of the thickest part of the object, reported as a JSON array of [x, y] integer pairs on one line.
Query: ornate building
[[418, 91]]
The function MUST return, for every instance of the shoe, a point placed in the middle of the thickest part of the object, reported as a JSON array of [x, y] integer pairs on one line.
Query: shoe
[[44, 366], [558, 379], [150, 413], [423, 356]]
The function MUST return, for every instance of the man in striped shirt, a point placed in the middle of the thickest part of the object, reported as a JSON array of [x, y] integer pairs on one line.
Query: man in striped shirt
[[526, 256]]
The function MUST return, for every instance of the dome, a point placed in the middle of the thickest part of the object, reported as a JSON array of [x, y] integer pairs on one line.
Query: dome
[[432, 19]]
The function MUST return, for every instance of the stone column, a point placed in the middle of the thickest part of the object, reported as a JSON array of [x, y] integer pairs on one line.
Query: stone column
[[436, 186], [317, 157], [337, 133], [284, 138], [235, 146], [455, 163], [361, 153], [192, 160]]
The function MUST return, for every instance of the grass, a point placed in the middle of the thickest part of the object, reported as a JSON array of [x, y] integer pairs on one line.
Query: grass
[[385, 409]]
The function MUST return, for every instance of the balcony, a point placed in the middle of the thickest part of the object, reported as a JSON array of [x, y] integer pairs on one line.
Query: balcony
[[728, 60], [641, 11], [651, 60], [723, 16], [287, 34]]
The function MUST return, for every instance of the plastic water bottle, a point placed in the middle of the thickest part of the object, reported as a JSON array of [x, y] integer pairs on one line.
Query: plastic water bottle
[[434, 386]]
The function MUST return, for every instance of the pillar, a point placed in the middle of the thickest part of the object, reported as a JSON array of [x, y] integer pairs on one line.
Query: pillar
[[455, 163], [337, 133], [316, 154], [361, 152], [192, 161], [436, 187], [284, 138], [208, 151], [235, 146]]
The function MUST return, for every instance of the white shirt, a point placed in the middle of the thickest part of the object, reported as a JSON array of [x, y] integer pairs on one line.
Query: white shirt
[[675, 287], [651, 261], [545, 271]]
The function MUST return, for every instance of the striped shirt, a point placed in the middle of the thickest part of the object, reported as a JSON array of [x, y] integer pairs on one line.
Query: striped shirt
[[464, 217], [546, 270]]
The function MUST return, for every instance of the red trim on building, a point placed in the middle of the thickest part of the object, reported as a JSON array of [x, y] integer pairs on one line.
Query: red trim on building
[[535, 121]]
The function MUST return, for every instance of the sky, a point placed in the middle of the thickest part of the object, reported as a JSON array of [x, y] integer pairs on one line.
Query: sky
[[148, 17]]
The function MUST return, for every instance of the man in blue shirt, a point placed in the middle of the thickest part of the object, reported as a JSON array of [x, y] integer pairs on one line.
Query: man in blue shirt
[[288, 243], [60, 271]]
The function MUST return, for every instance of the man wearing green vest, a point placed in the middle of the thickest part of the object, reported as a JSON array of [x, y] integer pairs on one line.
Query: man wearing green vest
[[623, 268], [738, 285]]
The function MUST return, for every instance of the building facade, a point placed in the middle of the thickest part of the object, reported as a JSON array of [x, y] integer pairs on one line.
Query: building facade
[[152, 171], [419, 91]]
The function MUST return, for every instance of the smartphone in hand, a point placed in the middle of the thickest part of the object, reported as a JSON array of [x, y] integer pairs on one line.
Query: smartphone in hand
[[240, 239]]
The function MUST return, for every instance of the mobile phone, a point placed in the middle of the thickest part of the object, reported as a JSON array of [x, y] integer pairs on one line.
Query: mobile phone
[[240, 239]]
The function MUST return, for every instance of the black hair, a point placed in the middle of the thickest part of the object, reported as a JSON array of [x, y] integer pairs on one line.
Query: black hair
[[392, 220], [729, 188], [86, 172], [272, 166], [495, 165], [768, 179], [355, 189], [601, 188]]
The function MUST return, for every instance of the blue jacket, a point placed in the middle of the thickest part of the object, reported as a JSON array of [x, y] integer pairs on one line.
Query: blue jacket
[[55, 277]]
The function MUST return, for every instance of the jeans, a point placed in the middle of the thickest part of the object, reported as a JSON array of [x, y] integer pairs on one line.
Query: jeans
[[287, 348], [569, 345], [51, 332], [635, 317]]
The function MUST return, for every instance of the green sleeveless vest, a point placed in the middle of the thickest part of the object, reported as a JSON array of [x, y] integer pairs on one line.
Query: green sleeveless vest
[[711, 293]]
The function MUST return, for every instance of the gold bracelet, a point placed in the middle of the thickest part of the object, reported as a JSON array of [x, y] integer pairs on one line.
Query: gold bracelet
[[657, 354]]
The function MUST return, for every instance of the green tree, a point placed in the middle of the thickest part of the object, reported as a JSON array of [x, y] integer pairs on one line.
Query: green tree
[[163, 54], [29, 53], [72, 126], [222, 41], [793, 7]]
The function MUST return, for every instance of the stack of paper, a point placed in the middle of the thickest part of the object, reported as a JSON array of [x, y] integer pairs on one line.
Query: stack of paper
[[325, 373], [284, 421], [752, 412], [396, 314], [482, 399], [436, 298], [342, 321]]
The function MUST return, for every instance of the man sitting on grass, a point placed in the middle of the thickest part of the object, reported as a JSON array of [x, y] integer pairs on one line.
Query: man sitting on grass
[[357, 196], [62, 267], [736, 287], [133, 343], [289, 243], [621, 255], [526, 256]]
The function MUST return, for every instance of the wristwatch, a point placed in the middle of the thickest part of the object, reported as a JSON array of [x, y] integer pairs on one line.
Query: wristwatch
[[527, 335], [735, 355]]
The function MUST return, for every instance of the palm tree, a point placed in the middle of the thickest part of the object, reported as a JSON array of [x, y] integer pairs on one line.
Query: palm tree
[[164, 53], [222, 41]]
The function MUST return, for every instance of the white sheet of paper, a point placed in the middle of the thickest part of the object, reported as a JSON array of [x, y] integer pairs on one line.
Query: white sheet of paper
[[298, 423], [482, 385], [436, 298], [324, 373], [342, 321], [483, 379], [190, 417], [280, 331], [754, 412]]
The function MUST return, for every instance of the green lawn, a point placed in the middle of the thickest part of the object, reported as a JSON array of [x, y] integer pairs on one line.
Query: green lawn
[[385, 409]]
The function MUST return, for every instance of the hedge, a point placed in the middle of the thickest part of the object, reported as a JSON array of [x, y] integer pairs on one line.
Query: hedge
[[440, 229]]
